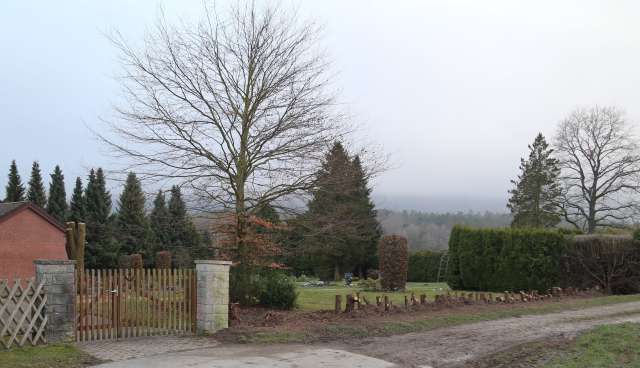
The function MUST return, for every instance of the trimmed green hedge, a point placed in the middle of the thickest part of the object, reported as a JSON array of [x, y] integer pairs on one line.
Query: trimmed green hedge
[[423, 266], [504, 259]]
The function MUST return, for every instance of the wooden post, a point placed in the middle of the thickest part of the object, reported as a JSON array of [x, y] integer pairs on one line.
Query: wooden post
[[75, 242], [423, 299], [386, 303], [378, 301], [406, 302], [338, 307], [349, 306]]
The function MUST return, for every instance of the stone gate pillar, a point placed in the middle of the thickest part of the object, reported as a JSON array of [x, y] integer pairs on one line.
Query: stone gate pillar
[[59, 286], [212, 295]]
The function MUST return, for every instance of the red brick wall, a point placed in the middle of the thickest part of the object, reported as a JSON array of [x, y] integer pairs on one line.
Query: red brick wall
[[25, 236]]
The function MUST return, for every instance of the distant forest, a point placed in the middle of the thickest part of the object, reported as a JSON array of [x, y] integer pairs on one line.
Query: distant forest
[[430, 231]]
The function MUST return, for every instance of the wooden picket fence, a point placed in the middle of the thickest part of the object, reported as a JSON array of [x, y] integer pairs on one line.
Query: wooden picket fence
[[123, 303], [22, 319]]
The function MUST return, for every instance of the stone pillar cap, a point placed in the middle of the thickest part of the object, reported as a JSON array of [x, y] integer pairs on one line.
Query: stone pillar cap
[[54, 262], [213, 262]]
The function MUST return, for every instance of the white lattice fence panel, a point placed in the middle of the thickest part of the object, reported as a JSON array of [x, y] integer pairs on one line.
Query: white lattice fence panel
[[22, 318]]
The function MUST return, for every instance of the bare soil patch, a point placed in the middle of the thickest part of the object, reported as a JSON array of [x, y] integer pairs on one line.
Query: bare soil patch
[[323, 326]]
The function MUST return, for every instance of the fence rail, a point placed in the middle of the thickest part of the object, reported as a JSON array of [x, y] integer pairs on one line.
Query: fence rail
[[122, 303], [22, 318]]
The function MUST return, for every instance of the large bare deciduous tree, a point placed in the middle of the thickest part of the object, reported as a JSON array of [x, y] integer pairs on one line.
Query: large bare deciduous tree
[[600, 166], [237, 108]]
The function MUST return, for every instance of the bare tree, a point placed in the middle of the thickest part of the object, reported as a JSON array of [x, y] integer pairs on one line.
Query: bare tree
[[600, 165], [235, 108]]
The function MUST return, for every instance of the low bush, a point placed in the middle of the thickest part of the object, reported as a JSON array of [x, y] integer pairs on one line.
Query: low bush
[[423, 266], [393, 257], [163, 259], [504, 259], [369, 285], [276, 290]]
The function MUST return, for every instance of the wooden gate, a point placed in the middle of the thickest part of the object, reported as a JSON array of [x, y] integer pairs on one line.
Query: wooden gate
[[122, 303]]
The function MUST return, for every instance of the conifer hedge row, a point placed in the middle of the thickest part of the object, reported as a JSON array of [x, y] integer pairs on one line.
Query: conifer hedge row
[[423, 266], [504, 259]]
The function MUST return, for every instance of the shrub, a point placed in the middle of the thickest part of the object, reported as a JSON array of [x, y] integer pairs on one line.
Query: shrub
[[611, 262], [393, 255], [124, 261], [136, 260], [373, 274], [423, 266], [163, 259], [370, 284], [276, 290], [504, 259]]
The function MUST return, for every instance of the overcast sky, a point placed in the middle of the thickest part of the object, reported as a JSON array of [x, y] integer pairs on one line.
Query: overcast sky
[[452, 90]]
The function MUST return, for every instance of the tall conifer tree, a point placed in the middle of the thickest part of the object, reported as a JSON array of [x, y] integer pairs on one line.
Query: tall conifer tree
[[183, 236], [535, 199], [159, 222], [341, 225], [77, 206], [132, 226], [15, 190], [57, 205], [102, 250], [36, 193], [368, 226]]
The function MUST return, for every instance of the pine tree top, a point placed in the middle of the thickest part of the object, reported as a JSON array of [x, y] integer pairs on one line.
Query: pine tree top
[[57, 205], [15, 191], [36, 193]]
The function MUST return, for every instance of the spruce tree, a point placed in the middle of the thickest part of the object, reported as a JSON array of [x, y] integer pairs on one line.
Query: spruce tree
[[341, 225], [178, 227], [36, 193], [15, 190], [57, 205], [369, 228], [102, 250], [534, 201], [159, 223], [182, 235], [132, 226], [77, 206]]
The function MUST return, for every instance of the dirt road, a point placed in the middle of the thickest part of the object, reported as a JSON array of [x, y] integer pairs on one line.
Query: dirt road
[[451, 347], [446, 347]]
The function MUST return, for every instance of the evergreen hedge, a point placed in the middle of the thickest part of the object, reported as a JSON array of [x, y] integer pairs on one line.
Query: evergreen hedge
[[504, 259], [423, 266]]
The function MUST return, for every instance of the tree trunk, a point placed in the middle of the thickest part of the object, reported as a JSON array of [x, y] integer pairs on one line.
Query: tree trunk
[[336, 273]]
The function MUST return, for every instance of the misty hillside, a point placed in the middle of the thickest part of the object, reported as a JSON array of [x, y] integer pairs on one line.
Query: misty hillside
[[427, 230], [440, 204]]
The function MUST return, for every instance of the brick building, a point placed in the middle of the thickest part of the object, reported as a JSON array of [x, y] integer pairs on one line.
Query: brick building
[[27, 233]]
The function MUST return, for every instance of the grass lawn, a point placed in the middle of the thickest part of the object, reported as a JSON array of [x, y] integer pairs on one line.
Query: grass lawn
[[319, 298], [49, 356], [613, 346]]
